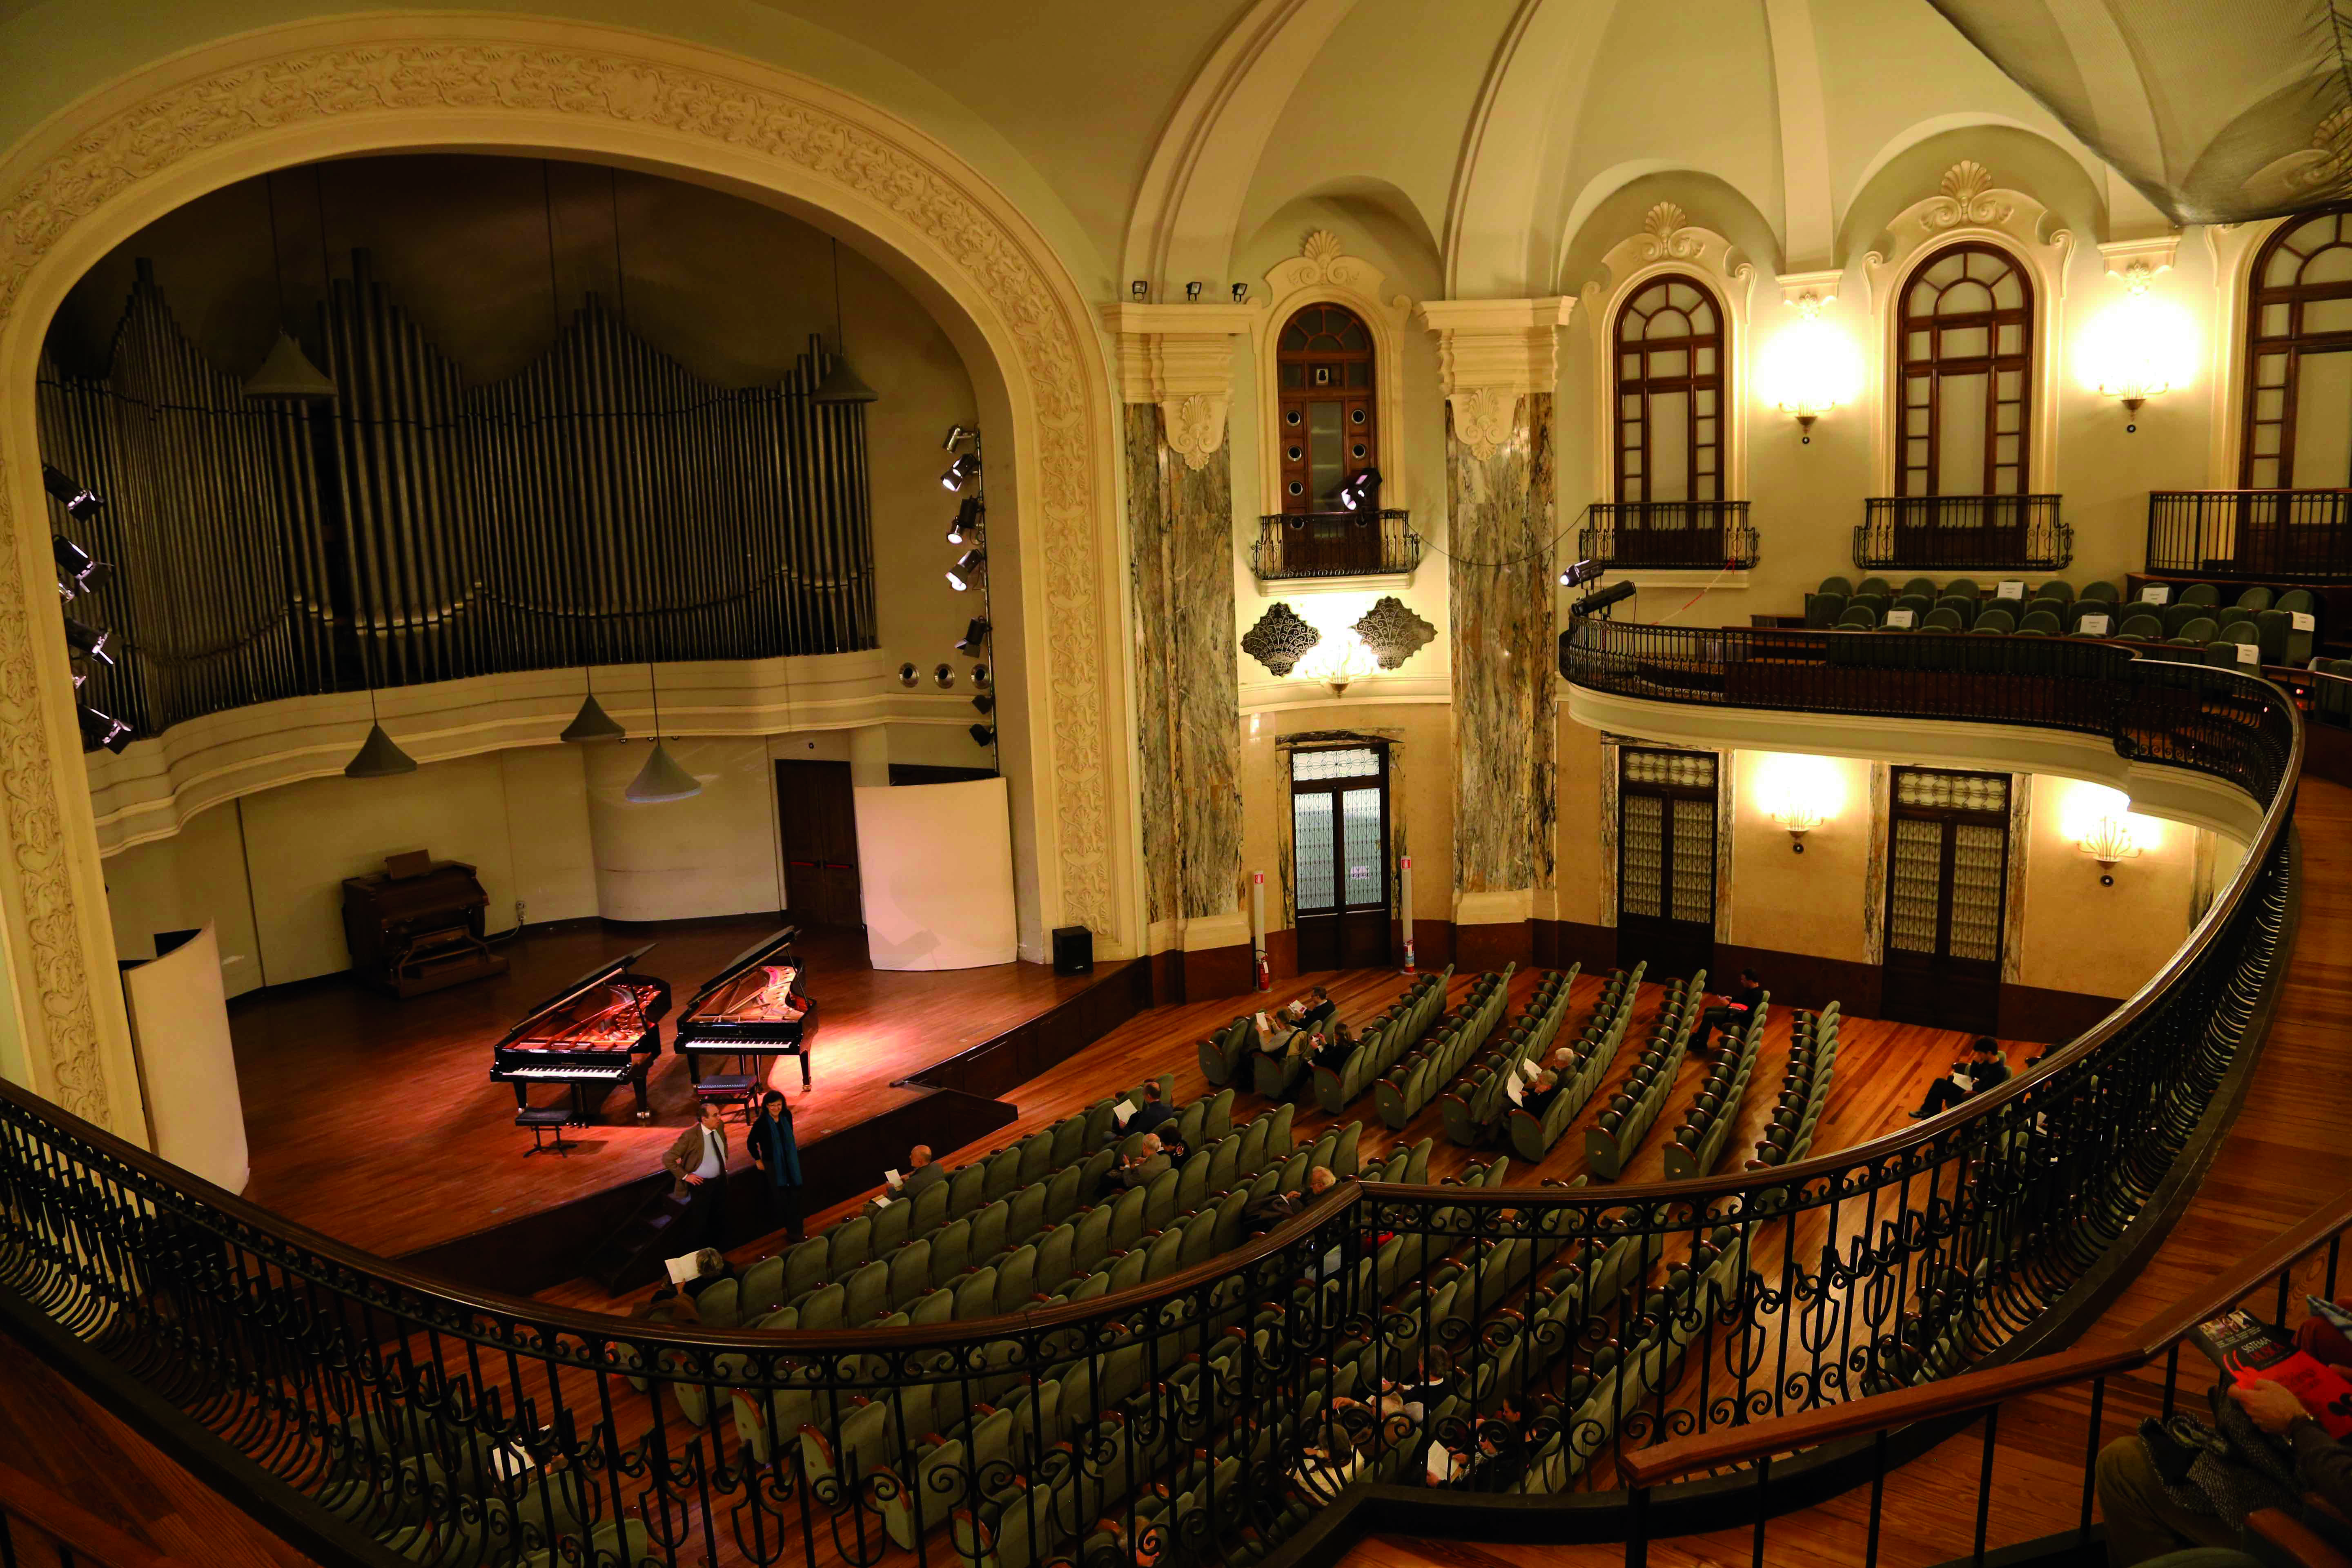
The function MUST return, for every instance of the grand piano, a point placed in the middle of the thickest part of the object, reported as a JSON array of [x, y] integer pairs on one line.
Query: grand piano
[[589, 1035], [754, 1006]]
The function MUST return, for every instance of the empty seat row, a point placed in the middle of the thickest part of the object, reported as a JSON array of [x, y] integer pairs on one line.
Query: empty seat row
[[1533, 1133], [1804, 1090], [1417, 1078], [1699, 1142], [1609, 1143], [1472, 1108]]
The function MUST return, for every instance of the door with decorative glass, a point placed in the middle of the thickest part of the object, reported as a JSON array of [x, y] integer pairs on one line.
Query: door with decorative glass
[[1665, 859], [1946, 893], [1339, 835]]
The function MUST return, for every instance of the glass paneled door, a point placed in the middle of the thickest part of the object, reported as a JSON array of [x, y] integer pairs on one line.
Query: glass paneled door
[[1665, 859], [1340, 836], [1947, 892]]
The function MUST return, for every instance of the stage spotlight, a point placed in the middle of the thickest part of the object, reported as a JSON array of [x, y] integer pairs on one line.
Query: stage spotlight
[[1192, 293], [984, 703], [1361, 490], [1601, 599], [965, 529], [80, 502], [1581, 573], [88, 641], [975, 637], [1141, 290], [86, 572], [1241, 293], [967, 569], [102, 730], [982, 734], [961, 472], [957, 433]]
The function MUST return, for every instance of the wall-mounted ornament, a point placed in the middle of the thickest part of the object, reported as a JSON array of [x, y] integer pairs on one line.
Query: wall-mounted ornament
[[1280, 640], [1392, 632], [1666, 234], [1965, 199]]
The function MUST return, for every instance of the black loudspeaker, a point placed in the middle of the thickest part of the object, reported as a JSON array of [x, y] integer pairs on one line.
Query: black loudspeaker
[[1074, 949]]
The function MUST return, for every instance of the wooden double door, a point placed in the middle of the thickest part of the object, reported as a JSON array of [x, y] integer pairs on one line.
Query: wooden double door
[[816, 806], [1665, 859], [1340, 856], [1947, 898]]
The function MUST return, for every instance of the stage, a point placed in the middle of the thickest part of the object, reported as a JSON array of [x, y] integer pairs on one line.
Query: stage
[[375, 1120]]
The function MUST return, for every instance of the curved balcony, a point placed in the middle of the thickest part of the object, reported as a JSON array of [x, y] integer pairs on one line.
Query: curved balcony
[[1211, 1397], [1312, 544], [1669, 535]]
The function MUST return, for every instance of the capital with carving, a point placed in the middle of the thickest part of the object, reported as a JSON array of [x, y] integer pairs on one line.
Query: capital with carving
[[1181, 358], [1490, 353]]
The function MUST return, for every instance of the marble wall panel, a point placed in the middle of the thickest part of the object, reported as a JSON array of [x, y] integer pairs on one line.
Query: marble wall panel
[[1501, 526]]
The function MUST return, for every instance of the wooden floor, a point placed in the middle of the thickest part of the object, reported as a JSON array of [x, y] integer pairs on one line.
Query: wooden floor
[[2287, 1152], [375, 1121]]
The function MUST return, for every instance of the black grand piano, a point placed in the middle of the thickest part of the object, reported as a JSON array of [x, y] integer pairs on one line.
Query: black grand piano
[[596, 1032], [754, 1006]]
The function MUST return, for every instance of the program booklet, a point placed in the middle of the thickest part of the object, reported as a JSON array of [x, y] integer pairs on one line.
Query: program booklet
[[2251, 1351]]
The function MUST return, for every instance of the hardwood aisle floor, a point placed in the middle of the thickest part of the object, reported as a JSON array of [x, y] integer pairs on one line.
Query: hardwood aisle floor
[[2285, 1153]]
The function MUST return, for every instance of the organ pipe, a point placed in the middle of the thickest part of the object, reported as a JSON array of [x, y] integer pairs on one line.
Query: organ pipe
[[603, 505]]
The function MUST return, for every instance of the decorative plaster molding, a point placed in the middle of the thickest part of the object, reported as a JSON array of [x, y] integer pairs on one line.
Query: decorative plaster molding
[[1181, 358], [1969, 209], [1392, 632], [2233, 247], [1667, 237], [2124, 256], [315, 90], [1280, 640], [1670, 242], [1490, 353], [1322, 272], [1822, 286]]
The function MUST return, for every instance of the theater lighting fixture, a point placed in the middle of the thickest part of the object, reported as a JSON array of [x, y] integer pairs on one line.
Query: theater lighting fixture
[[286, 371], [102, 730], [1241, 293], [960, 473], [982, 734], [78, 572], [661, 779], [1361, 490], [380, 757], [1811, 368], [1140, 291], [88, 641], [957, 433], [1581, 573], [984, 703], [82, 503], [1799, 793], [1601, 599], [2101, 822], [592, 722], [2140, 347], [1192, 293], [975, 637], [841, 384], [967, 569], [965, 529]]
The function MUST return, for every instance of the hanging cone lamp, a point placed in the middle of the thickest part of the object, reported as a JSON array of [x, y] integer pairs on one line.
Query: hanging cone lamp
[[593, 723], [841, 384], [288, 372], [380, 757], [661, 778]]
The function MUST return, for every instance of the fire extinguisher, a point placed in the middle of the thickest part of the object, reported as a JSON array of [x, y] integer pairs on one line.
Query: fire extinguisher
[[1265, 973]]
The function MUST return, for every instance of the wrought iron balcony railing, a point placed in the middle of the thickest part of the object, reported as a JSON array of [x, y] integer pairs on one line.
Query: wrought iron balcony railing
[[1335, 544], [1709, 535], [1972, 532], [2283, 536]]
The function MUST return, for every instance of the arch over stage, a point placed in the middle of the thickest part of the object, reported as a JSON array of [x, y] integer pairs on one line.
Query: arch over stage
[[124, 155]]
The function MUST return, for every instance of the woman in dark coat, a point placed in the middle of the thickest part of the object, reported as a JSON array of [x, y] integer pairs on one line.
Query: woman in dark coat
[[777, 1156]]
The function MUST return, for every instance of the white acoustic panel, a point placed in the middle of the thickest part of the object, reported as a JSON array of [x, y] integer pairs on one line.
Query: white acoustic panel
[[934, 864], [179, 1025]]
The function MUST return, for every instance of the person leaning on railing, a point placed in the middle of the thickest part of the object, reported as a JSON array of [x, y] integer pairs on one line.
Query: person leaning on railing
[[2177, 1483]]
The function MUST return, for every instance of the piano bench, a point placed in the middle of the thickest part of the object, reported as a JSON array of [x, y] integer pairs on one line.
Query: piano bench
[[728, 1089], [540, 1119]]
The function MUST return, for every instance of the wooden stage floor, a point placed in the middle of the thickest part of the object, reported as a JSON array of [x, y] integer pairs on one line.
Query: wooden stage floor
[[375, 1120]]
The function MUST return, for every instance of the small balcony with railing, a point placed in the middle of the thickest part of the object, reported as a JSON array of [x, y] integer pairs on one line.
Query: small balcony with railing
[[1315, 544], [1977, 533], [2291, 536], [1668, 535]]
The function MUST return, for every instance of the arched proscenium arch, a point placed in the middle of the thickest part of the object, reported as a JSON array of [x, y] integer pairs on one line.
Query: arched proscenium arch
[[127, 154]]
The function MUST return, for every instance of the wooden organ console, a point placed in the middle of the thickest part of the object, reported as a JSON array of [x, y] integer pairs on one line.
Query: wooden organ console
[[416, 928], [599, 1030], [754, 1006]]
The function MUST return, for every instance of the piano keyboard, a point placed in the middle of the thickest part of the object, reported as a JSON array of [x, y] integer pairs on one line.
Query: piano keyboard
[[571, 1074]]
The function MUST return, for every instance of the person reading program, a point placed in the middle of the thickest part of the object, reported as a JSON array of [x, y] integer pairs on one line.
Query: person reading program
[[1973, 1074], [1731, 1014]]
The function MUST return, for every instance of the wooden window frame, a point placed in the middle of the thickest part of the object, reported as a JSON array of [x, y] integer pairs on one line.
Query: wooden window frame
[[1645, 386], [1335, 788], [1974, 816], [1360, 406], [1931, 369], [2292, 346]]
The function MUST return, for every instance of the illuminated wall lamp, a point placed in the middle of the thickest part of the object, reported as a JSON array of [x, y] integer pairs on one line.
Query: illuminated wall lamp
[[1337, 664], [2108, 840], [1811, 368], [2139, 347], [1799, 819]]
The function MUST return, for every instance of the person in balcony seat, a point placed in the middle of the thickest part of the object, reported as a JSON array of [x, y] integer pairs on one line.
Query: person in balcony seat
[[2161, 1495]]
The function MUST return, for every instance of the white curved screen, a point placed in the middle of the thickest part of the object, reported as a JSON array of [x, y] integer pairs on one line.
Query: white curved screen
[[934, 864]]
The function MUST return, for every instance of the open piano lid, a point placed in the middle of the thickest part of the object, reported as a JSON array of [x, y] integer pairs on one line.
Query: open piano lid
[[763, 948], [601, 974]]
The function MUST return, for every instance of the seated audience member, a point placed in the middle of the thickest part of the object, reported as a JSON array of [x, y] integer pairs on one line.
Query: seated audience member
[[1979, 1071], [1154, 1110], [920, 1171], [1147, 1162], [2165, 1489], [1337, 1043], [1299, 1008], [1731, 1014], [1540, 1093], [1275, 1207]]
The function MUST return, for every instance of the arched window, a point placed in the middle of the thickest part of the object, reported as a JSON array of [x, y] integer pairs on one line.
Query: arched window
[[1965, 376], [1324, 367], [1670, 375], [2298, 430]]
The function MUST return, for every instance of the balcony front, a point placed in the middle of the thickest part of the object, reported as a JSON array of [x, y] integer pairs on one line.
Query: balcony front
[[1976, 533], [1312, 544], [1669, 535], [2294, 536]]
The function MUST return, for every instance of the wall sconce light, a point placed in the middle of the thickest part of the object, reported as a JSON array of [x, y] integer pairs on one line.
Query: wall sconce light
[[1800, 794], [2108, 841], [2100, 822], [1811, 368], [1337, 662], [2138, 348]]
